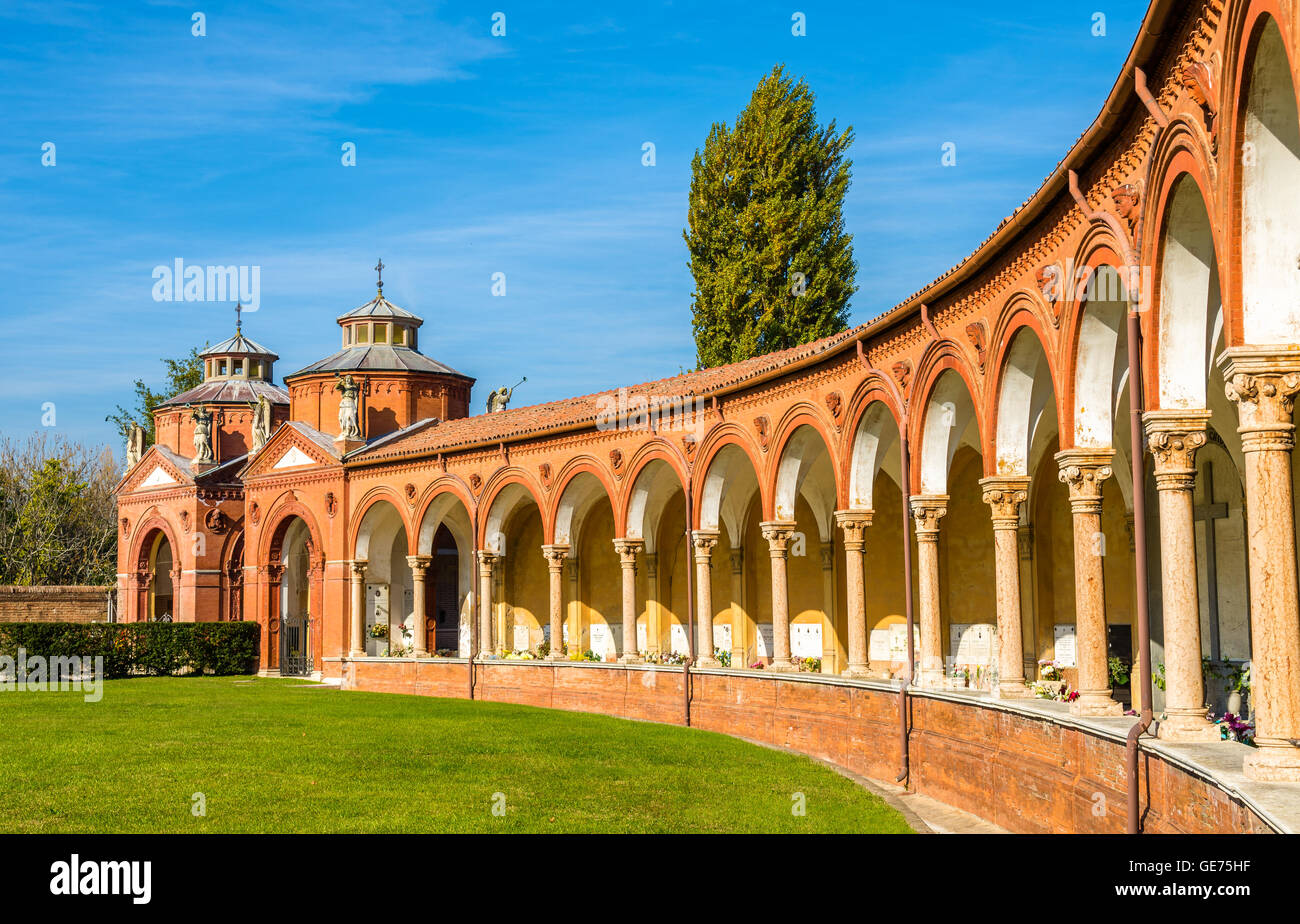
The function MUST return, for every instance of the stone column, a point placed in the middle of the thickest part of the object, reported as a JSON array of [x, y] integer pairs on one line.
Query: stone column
[[1028, 600], [830, 639], [358, 610], [1083, 470], [486, 562], [778, 534], [927, 511], [855, 523], [1264, 383], [1004, 494], [627, 550], [739, 619], [1173, 438], [555, 556], [653, 623], [419, 565], [703, 541], [575, 603]]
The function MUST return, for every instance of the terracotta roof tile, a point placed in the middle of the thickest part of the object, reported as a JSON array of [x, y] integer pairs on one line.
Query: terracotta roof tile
[[515, 423]]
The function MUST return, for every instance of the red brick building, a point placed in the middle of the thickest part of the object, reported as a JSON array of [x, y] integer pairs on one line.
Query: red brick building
[[765, 504]]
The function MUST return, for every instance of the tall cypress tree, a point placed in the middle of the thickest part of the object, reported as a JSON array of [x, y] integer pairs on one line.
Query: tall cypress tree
[[773, 267]]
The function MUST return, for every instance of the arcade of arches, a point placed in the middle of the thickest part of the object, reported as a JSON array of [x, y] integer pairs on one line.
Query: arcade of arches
[[767, 504]]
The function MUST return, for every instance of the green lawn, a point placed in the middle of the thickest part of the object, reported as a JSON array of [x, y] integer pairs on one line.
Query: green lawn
[[284, 756]]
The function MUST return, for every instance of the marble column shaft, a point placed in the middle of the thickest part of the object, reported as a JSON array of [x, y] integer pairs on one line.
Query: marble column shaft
[[1004, 494], [419, 565], [627, 550], [555, 556], [1263, 382], [927, 511], [778, 534], [358, 609], [1083, 471], [703, 542], [1173, 438], [855, 523]]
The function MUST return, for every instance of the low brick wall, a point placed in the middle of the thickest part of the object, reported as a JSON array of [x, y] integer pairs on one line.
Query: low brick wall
[[1024, 772], [75, 603]]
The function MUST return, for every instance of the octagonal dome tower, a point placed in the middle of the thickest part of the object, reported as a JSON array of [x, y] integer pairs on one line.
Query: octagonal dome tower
[[399, 384], [237, 372]]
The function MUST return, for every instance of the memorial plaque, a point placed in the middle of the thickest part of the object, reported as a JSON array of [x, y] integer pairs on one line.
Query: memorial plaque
[[806, 640], [463, 638], [1064, 647], [898, 642], [881, 645], [677, 639], [641, 638], [522, 638], [764, 641], [601, 643], [722, 637], [971, 643]]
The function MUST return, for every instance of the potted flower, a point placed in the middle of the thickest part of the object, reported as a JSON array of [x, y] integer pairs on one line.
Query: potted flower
[[379, 630], [1240, 680]]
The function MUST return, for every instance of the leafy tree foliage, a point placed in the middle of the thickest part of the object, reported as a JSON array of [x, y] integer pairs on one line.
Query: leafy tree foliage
[[181, 375], [773, 266], [57, 513]]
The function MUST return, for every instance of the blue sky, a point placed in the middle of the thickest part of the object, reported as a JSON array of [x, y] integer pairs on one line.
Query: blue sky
[[476, 155]]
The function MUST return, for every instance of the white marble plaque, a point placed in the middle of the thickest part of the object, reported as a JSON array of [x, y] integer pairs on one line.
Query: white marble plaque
[[601, 640], [463, 638], [641, 638], [971, 643], [677, 638], [880, 645], [764, 641], [806, 640], [722, 637], [1064, 647], [898, 641], [522, 640]]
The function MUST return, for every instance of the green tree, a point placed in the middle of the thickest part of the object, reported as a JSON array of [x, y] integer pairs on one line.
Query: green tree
[[57, 512], [181, 375], [773, 266]]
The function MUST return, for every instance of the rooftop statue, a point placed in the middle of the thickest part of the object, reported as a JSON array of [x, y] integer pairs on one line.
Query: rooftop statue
[[202, 434], [261, 422], [349, 428], [499, 400], [134, 445]]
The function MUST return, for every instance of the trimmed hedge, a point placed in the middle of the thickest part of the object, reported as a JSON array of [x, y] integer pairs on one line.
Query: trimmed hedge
[[134, 648]]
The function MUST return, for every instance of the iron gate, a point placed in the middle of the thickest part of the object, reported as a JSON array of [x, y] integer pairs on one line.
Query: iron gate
[[295, 646]]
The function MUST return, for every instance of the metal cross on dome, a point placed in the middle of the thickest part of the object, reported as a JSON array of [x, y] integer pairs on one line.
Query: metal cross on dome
[[239, 309], [379, 268]]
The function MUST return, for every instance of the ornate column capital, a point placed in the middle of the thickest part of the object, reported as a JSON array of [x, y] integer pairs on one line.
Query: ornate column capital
[[1083, 471], [1004, 494], [628, 549], [854, 523], [418, 563], [737, 557], [555, 556], [927, 511], [703, 540], [828, 555], [778, 534], [1173, 436], [486, 560], [1263, 383], [358, 567]]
